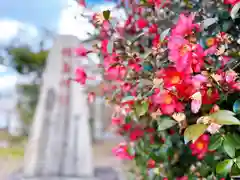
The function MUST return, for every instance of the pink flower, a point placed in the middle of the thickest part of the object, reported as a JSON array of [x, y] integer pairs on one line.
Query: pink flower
[[104, 45], [135, 66], [185, 25], [91, 97], [126, 87], [162, 3], [82, 51], [81, 76], [116, 72], [180, 53], [196, 102], [231, 2], [109, 60], [121, 151], [82, 3], [167, 102], [117, 120]]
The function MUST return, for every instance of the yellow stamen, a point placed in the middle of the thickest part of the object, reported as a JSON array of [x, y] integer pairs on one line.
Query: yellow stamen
[[210, 41], [168, 99], [200, 145], [175, 79]]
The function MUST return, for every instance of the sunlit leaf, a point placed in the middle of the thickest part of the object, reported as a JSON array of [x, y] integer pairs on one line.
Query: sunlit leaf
[[110, 47], [208, 22], [229, 147], [128, 98], [193, 132], [215, 143], [164, 34], [236, 106], [225, 117], [238, 162], [224, 167], [141, 108], [165, 122], [235, 10], [106, 14]]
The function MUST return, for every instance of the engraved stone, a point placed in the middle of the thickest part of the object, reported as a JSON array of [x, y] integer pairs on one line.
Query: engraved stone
[[60, 144]]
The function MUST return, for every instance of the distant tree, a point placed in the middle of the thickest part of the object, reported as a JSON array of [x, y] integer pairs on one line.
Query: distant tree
[[26, 61]]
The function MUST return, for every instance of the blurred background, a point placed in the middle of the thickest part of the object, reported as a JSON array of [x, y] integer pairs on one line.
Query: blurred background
[[27, 32]]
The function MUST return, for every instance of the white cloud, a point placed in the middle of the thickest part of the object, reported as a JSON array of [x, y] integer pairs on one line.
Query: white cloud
[[11, 28], [68, 25], [79, 27]]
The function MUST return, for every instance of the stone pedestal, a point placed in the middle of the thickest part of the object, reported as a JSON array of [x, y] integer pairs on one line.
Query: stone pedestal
[[59, 147]]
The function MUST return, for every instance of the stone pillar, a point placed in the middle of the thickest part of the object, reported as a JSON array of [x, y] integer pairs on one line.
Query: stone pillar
[[59, 145], [98, 118]]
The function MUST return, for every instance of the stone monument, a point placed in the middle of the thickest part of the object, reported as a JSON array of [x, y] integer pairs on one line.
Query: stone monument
[[60, 144]]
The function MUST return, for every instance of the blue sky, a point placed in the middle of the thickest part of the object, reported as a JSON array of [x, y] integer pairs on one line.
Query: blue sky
[[30, 15], [42, 13]]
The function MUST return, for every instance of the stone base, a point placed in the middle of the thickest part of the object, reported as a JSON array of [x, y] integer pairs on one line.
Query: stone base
[[100, 173], [61, 178]]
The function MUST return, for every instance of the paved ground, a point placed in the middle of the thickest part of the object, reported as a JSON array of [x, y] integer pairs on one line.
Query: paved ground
[[107, 165]]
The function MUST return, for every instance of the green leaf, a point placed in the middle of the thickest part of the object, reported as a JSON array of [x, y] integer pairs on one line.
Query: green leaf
[[208, 22], [236, 106], [225, 117], [110, 47], [193, 132], [229, 147], [235, 10], [226, 25], [141, 108], [224, 167], [215, 144], [236, 139], [128, 98], [164, 34], [106, 14], [238, 162], [165, 122]]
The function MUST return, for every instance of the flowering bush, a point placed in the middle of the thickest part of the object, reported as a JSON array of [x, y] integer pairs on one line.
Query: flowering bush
[[171, 71]]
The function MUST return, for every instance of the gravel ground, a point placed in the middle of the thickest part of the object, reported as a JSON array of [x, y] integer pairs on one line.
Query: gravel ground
[[7, 166], [107, 165]]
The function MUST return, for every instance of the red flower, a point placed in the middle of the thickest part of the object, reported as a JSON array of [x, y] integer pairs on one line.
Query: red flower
[[156, 41], [151, 163], [171, 76], [209, 96], [200, 146], [153, 29], [135, 134], [81, 76], [142, 23], [185, 90]]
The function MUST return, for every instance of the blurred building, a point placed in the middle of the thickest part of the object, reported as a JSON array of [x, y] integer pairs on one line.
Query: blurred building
[[9, 98]]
